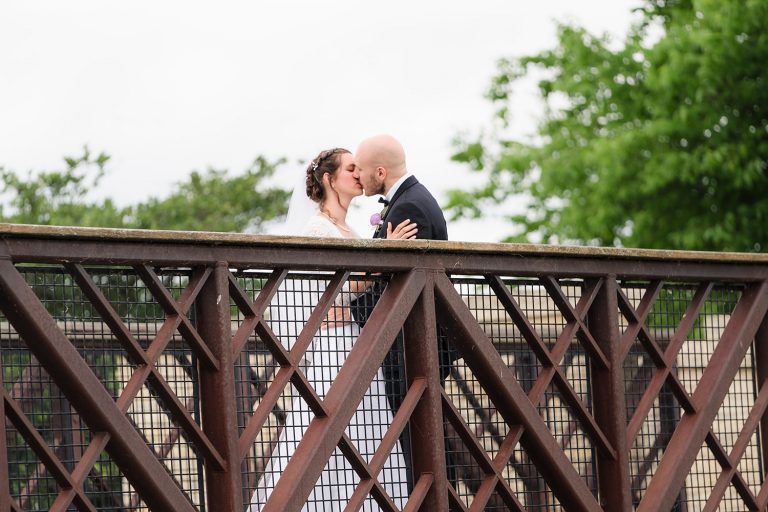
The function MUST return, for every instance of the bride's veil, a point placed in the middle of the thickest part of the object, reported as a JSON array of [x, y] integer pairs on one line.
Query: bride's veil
[[286, 315], [300, 209], [296, 297]]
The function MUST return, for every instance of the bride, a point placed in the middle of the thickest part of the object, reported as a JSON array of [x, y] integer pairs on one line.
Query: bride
[[331, 185]]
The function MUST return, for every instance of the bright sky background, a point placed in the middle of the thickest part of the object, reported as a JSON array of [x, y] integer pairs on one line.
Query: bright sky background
[[168, 87]]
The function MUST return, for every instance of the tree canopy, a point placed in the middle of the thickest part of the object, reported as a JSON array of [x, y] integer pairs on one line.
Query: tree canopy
[[209, 201], [659, 143]]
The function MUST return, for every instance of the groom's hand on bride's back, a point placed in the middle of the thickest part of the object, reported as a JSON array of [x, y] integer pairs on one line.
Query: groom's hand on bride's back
[[403, 231]]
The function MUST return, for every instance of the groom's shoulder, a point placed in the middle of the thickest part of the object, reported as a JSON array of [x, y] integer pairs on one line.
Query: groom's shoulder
[[414, 186], [422, 192]]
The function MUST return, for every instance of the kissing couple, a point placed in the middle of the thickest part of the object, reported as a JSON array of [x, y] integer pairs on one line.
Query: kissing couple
[[319, 209]]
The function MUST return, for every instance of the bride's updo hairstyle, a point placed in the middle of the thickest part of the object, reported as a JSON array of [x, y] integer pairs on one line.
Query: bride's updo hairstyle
[[327, 161]]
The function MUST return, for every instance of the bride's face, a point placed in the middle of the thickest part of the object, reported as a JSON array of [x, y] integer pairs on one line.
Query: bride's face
[[345, 181]]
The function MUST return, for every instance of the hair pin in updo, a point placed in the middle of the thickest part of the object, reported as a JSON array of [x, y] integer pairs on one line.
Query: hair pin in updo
[[314, 166]]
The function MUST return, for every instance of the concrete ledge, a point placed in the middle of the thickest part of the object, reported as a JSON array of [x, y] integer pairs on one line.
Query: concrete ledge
[[434, 246]]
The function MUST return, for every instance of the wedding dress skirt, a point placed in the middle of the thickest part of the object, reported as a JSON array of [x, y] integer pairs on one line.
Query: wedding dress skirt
[[366, 428]]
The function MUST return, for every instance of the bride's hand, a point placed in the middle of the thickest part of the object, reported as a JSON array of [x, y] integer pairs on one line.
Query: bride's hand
[[336, 315], [403, 231]]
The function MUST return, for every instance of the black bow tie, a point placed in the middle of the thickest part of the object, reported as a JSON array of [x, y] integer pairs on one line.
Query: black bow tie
[[383, 201]]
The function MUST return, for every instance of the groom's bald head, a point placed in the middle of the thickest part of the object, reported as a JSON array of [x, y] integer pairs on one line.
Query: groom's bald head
[[380, 162], [384, 150]]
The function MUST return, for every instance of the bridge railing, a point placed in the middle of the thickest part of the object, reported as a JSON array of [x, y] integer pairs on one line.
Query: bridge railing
[[146, 370]]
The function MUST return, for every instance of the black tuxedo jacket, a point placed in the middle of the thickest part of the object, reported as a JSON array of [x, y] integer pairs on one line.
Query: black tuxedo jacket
[[411, 201]]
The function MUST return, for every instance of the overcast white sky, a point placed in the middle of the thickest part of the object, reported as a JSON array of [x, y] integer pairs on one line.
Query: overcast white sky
[[168, 87]]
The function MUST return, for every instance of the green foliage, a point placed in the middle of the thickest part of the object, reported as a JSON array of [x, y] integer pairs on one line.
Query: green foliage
[[58, 197], [215, 202], [210, 201], [660, 145]]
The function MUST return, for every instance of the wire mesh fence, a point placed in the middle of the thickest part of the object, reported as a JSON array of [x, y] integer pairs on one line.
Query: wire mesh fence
[[51, 415], [556, 376]]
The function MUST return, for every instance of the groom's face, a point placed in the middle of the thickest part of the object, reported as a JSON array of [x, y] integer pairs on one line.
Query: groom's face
[[370, 176]]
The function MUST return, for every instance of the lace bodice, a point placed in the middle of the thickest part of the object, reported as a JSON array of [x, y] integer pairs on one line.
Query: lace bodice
[[320, 226]]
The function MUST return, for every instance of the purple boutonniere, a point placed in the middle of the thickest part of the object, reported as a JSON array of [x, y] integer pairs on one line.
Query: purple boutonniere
[[377, 219]]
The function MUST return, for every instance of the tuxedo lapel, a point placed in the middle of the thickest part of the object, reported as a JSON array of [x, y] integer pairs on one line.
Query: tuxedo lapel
[[408, 183]]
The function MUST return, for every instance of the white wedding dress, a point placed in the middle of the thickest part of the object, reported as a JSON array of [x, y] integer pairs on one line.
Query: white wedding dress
[[367, 427]]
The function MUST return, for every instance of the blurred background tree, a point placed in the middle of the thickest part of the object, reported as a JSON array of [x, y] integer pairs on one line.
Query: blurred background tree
[[660, 143], [210, 201]]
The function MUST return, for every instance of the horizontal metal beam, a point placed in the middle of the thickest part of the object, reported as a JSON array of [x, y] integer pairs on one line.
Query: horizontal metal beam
[[213, 238], [372, 259]]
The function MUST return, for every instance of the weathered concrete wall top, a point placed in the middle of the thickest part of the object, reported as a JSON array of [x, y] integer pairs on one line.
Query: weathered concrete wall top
[[240, 239]]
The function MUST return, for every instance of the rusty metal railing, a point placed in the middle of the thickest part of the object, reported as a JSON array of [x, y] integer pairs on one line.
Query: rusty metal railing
[[155, 371]]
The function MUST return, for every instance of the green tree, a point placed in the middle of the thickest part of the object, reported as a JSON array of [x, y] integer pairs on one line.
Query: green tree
[[661, 145], [209, 201], [214, 201], [59, 197]]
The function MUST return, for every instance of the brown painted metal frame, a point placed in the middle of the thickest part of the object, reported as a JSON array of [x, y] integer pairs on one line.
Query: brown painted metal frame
[[420, 292]]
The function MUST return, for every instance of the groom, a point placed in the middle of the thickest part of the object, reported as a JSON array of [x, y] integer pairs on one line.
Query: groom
[[380, 167]]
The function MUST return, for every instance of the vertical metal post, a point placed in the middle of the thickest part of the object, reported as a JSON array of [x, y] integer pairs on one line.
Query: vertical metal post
[[761, 374], [608, 399], [217, 392], [422, 361]]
